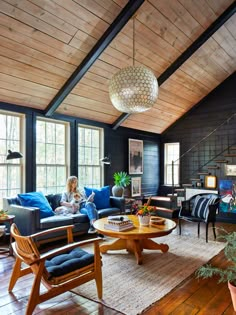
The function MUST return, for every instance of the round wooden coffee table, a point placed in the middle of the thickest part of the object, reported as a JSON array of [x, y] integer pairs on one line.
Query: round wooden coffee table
[[137, 239]]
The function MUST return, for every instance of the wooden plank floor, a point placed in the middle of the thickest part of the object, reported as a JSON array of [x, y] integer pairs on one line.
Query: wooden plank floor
[[193, 296]]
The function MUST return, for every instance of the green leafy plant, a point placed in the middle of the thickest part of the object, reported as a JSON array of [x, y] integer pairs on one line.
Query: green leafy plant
[[228, 273], [3, 213], [121, 179]]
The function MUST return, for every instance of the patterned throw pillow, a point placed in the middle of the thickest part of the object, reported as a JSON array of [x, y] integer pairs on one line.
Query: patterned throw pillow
[[201, 207]]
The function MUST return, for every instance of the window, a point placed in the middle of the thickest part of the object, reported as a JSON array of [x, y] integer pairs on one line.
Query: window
[[11, 134], [171, 154], [51, 156], [90, 145]]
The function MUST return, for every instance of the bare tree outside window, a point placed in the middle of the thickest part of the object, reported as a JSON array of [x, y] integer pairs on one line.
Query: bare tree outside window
[[90, 144], [51, 156], [10, 170]]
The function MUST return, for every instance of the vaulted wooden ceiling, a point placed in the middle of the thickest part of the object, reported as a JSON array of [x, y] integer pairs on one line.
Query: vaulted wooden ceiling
[[58, 55]]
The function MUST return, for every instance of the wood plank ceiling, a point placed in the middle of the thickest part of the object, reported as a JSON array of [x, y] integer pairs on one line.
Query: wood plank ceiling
[[43, 42]]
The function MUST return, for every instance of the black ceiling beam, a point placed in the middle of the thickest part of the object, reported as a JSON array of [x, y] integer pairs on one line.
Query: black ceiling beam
[[188, 52], [119, 120], [116, 26]]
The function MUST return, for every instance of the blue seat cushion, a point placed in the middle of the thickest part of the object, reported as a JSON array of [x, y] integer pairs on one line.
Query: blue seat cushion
[[64, 263], [101, 198], [38, 200]]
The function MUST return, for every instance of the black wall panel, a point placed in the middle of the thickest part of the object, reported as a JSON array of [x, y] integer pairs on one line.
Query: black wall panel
[[208, 130], [116, 146]]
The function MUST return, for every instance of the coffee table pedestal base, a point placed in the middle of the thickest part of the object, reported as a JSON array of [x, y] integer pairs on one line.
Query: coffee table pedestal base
[[134, 246]]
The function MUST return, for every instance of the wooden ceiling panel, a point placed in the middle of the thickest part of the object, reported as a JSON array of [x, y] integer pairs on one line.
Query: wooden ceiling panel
[[86, 113], [83, 102], [42, 43], [26, 18], [24, 86], [162, 26]]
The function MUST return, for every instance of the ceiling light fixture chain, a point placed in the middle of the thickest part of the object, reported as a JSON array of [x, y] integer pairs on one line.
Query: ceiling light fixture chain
[[134, 41]]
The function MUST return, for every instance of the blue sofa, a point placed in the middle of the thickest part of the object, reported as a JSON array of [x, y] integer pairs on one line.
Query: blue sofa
[[29, 222]]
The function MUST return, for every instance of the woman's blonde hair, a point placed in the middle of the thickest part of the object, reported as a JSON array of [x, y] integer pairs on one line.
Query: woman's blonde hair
[[69, 182]]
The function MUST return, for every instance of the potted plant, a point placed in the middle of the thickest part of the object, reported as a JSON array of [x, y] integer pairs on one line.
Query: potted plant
[[227, 274], [121, 180], [144, 214]]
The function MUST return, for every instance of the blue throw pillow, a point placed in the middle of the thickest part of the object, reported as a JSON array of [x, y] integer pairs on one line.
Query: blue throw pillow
[[101, 198], [37, 199]]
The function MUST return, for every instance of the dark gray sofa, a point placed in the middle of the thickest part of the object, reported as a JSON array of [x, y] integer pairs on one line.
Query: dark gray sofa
[[28, 218]]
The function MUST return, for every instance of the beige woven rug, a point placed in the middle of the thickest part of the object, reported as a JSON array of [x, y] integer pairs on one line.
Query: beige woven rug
[[131, 288]]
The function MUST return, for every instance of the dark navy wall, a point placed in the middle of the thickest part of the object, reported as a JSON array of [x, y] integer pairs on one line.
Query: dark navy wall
[[116, 144], [209, 129]]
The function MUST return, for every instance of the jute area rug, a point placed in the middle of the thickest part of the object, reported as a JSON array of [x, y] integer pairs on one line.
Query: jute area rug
[[131, 288]]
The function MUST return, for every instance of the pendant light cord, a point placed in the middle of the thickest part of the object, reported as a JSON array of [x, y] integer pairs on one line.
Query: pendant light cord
[[133, 41]]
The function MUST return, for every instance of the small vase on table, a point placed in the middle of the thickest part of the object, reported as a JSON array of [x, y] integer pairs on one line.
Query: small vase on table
[[144, 220]]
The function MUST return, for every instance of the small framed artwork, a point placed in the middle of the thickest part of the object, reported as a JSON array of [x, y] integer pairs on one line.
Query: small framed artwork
[[135, 156], [135, 186], [230, 170], [210, 181]]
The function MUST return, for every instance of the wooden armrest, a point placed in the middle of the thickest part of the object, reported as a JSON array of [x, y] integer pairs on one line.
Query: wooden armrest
[[68, 247], [59, 228]]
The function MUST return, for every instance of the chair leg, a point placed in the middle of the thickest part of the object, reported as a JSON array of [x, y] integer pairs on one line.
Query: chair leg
[[17, 273], [206, 232], [34, 297], [179, 226], [214, 230], [198, 229], [98, 270]]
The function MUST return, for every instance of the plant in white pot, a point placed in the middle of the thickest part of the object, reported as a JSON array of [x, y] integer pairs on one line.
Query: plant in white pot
[[227, 274], [121, 180]]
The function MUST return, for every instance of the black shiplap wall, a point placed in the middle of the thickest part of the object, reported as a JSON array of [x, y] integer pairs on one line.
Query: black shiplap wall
[[116, 145], [216, 111]]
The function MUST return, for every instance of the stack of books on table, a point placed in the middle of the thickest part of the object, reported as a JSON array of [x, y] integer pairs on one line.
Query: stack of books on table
[[118, 223]]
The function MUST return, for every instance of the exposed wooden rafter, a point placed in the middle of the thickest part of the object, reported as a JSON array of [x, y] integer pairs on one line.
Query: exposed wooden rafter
[[116, 26], [187, 53]]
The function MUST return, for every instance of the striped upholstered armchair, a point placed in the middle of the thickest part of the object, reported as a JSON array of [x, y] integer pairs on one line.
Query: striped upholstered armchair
[[200, 208]]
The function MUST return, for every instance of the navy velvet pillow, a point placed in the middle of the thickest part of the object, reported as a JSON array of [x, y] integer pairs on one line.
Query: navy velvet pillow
[[101, 198], [36, 199]]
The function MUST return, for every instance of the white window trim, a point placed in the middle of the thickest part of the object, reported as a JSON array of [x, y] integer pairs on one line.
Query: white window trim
[[174, 163], [21, 161], [67, 143], [101, 151]]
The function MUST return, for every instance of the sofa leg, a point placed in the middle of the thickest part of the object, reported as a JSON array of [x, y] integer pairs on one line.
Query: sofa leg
[[198, 229]]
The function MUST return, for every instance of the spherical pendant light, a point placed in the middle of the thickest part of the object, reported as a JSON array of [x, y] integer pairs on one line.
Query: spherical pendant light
[[133, 89]]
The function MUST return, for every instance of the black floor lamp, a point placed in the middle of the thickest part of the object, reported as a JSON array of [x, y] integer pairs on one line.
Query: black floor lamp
[[14, 155]]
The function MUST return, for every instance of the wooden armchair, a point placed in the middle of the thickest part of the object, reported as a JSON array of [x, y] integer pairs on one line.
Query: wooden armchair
[[58, 273]]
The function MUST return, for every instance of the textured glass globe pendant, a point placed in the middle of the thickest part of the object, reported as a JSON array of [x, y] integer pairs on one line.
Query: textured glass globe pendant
[[133, 89]]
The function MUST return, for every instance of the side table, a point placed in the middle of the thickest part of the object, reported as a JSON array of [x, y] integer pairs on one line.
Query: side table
[[9, 219], [128, 205]]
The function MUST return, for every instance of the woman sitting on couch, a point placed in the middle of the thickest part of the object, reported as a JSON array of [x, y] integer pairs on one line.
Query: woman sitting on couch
[[74, 201]]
